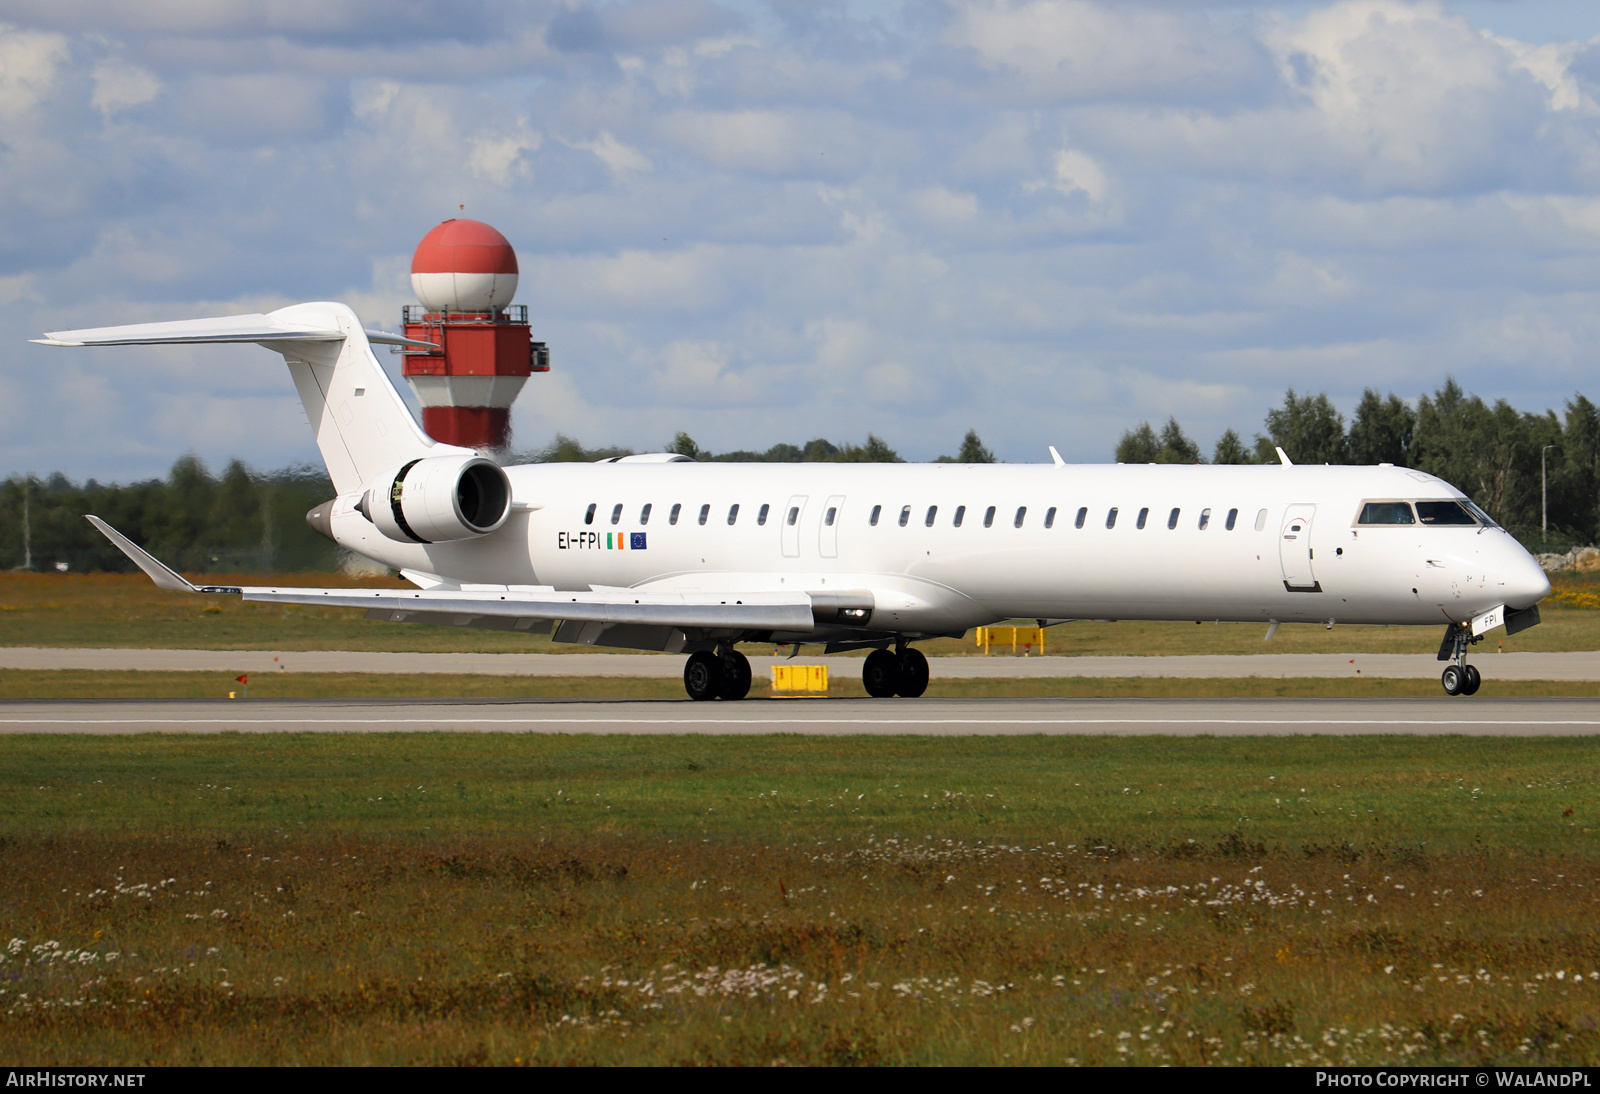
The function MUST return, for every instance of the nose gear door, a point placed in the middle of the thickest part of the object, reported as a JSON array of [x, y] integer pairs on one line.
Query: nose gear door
[[1294, 550]]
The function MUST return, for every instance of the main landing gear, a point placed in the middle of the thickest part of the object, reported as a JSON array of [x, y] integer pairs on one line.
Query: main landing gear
[[724, 674], [1459, 678], [904, 672]]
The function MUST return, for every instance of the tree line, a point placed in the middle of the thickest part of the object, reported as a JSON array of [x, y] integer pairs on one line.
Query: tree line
[[1497, 455]]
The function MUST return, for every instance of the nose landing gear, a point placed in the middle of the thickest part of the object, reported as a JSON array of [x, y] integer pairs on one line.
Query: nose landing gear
[[1459, 678]]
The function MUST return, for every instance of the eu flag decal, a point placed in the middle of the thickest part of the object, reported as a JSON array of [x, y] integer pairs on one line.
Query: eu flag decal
[[635, 541]]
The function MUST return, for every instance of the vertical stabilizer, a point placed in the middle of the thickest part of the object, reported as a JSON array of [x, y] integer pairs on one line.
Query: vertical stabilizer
[[361, 424]]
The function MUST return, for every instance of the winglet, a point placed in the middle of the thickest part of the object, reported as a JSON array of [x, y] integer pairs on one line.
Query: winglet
[[1284, 457], [1055, 457], [158, 571]]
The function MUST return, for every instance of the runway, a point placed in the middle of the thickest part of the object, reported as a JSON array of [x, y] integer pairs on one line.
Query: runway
[[925, 717], [1579, 666]]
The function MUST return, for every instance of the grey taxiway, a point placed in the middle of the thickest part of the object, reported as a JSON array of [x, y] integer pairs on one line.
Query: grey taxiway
[[823, 716]]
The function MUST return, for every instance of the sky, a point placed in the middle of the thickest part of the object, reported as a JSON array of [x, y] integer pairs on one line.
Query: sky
[[770, 221]]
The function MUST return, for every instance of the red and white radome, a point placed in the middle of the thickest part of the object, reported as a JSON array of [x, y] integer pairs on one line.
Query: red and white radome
[[464, 265]]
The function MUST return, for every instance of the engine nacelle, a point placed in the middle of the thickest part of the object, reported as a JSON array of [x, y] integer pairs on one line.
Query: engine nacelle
[[438, 499]]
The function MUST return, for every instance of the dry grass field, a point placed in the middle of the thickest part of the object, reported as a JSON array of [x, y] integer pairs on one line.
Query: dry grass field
[[524, 899], [126, 610]]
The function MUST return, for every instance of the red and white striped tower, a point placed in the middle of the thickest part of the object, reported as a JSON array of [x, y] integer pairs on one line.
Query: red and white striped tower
[[465, 273]]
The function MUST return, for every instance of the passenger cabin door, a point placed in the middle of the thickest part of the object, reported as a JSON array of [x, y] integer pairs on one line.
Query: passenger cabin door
[[1294, 550], [791, 525], [828, 532]]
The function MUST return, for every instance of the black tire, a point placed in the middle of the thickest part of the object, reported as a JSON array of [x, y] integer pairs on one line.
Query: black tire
[[1453, 680], [735, 676], [702, 675], [880, 675], [1474, 681], [913, 673]]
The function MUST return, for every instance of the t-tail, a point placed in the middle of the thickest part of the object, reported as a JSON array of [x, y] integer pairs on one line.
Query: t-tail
[[363, 428]]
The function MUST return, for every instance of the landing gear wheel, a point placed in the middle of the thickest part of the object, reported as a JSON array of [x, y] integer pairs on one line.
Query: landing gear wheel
[[881, 674], [735, 676], [1453, 679], [1473, 682], [702, 675], [913, 673]]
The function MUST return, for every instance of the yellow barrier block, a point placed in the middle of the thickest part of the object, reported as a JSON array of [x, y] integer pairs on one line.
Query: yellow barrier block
[[1031, 639], [795, 679]]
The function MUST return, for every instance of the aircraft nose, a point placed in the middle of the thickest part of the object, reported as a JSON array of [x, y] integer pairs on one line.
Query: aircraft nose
[[1525, 581]]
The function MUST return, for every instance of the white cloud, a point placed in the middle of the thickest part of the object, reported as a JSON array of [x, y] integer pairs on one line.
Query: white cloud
[[618, 157], [808, 144], [498, 158], [29, 61], [119, 86], [1077, 173], [1081, 49]]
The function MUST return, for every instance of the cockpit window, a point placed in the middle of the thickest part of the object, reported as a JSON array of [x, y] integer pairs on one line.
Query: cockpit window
[[1483, 518], [1443, 512], [1385, 512]]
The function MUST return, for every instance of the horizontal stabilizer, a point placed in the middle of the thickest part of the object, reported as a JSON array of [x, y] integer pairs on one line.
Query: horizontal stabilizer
[[226, 328], [720, 611]]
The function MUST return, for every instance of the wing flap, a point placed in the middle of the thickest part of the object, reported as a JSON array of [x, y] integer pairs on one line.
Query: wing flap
[[762, 611]]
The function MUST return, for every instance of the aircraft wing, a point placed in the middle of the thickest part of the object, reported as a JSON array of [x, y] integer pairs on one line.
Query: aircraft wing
[[462, 607]]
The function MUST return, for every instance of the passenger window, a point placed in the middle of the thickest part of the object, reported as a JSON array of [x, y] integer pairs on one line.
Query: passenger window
[[761, 515], [616, 513], [1443, 512], [588, 518], [794, 514], [1172, 520], [733, 513], [877, 511], [1233, 518], [988, 517], [1022, 511], [1205, 519], [1144, 515], [705, 511], [672, 517], [644, 515], [1050, 517], [1389, 512], [1111, 518], [1261, 520], [833, 511], [961, 515], [1083, 515], [933, 511], [905, 515]]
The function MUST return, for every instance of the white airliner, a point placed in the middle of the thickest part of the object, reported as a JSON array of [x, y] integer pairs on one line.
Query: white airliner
[[658, 552]]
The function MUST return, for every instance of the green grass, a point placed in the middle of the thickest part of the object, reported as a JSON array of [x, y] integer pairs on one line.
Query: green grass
[[502, 898], [89, 684], [122, 610]]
